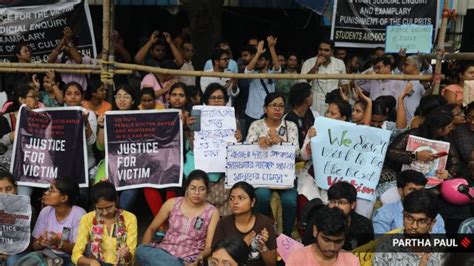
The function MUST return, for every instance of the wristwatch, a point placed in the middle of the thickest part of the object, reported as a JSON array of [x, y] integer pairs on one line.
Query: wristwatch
[[413, 156]]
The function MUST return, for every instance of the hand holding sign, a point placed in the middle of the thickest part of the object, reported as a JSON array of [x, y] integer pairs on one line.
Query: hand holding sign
[[285, 245]]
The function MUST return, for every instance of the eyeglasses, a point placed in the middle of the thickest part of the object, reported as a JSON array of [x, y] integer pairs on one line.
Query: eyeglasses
[[216, 262], [420, 222], [338, 202], [125, 97], [199, 190], [276, 106], [106, 209], [217, 98]]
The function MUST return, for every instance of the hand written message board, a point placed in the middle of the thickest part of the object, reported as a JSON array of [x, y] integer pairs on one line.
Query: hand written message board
[[15, 220], [217, 129], [40, 24], [49, 143], [143, 148], [273, 167], [345, 151], [414, 38], [286, 245]]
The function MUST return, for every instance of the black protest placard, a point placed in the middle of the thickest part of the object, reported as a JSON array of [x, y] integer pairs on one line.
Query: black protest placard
[[15, 220], [144, 148], [362, 23], [49, 143], [40, 24]]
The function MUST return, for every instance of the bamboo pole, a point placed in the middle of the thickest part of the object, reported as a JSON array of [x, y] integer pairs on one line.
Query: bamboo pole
[[271, 76], [104, 77], [50, 66], [450, 56], [440, 48], [72, 71]]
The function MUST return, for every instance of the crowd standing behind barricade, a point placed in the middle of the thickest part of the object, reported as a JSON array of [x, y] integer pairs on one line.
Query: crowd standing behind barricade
[[203, 222]]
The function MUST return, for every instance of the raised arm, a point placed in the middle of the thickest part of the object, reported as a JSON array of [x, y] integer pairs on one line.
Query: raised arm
[[141, 54], [271, 46], [260, 51], [178, 56], [401, 121]]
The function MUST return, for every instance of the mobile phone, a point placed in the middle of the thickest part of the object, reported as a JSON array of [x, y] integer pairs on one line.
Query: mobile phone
[[410, 93], [440, 154], [66, 233], [196, 126]]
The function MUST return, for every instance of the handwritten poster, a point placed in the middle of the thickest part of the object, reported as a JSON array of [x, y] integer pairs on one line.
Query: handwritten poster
[[218, 127], [49, 143], [414, 38], [285, 245], [416, 144], [144, 148], [15, 219], [348, 152], [273, 167]]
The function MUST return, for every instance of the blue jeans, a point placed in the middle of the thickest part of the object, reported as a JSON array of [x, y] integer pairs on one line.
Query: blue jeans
[[150, 256], [127, 199], [288, 205]]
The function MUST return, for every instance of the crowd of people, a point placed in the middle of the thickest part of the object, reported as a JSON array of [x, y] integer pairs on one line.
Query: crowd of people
[[203, 222]]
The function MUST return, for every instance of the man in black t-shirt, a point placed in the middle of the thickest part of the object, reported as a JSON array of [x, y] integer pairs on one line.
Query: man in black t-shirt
[[343, 195]]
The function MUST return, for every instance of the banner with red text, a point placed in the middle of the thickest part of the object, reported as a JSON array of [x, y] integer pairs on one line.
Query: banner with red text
[[349, 152], [49, 143], [144, 148]]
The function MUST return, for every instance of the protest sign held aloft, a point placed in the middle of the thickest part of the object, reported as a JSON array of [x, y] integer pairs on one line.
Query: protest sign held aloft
[[414, 38], [363, 23], [15, 219], [349, 152], [273, 167], [218, 127], [144, 148], [49, 143], [41, 25]]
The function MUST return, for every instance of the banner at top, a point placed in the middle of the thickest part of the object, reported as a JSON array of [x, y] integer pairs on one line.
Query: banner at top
[[40, 24], [362, 23]]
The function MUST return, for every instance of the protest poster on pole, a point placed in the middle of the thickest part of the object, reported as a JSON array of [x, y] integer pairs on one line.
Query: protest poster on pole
[[363, 23], [144, 148], [218, 128], [273, 167], [40, 24], [349, 152], [15, 220], [49, 143]]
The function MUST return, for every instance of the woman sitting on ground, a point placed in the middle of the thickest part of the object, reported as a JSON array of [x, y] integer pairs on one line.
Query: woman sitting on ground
[[192, 222], [108, 234]]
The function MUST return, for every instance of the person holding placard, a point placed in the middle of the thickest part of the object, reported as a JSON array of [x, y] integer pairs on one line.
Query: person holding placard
[[337, 109], [215, 95], [58, 223], [274, 130], [192, 223], [109, 233], [124, 100], [148, 100], [178, 99], [256, 230], [94, 98], [25, 94]]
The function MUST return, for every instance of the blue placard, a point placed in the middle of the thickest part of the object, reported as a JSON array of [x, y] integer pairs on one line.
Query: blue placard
[[349, 152], [414, 38]]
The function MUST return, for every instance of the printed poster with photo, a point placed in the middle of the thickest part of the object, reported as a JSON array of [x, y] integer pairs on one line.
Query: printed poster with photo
[[416, 144]]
